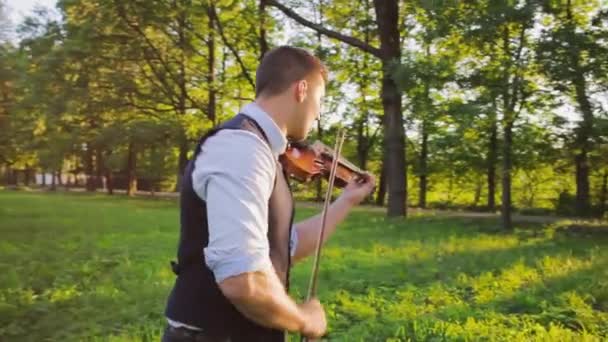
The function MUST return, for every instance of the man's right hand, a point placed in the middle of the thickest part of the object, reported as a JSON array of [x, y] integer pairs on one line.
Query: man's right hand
[[315, 324]]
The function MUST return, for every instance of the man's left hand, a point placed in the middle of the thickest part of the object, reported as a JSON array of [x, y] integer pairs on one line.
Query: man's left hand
[[359, 188]]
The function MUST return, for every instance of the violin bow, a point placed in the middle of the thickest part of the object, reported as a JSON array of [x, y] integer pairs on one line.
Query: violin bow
[[312, 287]]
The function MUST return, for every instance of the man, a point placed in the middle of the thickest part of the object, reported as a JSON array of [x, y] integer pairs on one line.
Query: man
[[238, 240]]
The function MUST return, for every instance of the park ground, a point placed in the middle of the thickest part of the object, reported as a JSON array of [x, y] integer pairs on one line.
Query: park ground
[[82, 267]]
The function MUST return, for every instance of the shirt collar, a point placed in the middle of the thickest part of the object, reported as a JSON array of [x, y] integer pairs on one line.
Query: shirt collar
[[278, 141]]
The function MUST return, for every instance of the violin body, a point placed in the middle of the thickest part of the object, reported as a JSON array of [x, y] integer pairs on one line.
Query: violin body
[[306, 162]]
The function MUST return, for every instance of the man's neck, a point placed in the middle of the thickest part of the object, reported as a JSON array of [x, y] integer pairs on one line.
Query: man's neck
[[273, 109]]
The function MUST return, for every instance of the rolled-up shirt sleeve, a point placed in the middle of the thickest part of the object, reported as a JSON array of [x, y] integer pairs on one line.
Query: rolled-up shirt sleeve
[[293, 241], [234, 174]]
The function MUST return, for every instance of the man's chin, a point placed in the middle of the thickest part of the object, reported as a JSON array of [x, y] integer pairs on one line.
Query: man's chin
[[297, 138]]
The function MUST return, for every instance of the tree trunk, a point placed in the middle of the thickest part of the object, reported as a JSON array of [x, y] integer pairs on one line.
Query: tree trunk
[[450, 187], [99, 168], [131, 170], [107, 174], [26, 172], [319, 197], [478, 186], [361, 144], [211, 66], [182, 161], [423, 167], [381, 186], [509, 100], [506, 177], [53, 180], [7, 174], [582, 184], [43, 178], [109, 182], [604, 193], [583, 144], [492, 159], [181, 106], [390, 46], [59, 180], [426, 118], [263, 42], [531, 199], [585, 128], [395, 149], [90, 183]]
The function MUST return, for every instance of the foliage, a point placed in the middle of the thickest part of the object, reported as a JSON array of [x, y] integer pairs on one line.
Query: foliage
[[493, 92]]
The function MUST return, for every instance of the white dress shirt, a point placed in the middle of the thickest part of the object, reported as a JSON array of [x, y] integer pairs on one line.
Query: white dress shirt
[[234, 174]]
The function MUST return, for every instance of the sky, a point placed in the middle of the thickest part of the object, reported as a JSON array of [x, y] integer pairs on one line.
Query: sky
[[19, 9]]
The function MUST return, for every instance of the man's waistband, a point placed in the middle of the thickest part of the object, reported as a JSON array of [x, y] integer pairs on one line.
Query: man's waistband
[[185, 334]]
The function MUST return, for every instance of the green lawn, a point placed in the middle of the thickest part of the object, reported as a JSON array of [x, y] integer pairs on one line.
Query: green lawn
[[79, 267]]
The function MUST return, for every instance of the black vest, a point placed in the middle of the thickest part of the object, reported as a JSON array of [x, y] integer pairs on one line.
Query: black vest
[[196, 298]]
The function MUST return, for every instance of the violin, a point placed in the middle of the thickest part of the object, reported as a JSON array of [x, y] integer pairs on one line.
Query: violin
[[306, 162]]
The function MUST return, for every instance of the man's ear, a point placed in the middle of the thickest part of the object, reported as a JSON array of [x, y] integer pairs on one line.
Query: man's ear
[[301, 89]]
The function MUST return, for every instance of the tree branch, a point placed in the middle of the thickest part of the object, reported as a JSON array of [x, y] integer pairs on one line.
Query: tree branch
[[374, 136], [230, 47], [159, 82], [330, 33], [518, 61], [151, 47]]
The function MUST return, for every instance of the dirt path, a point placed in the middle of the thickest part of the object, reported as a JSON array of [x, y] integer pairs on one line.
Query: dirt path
[[412, 212]]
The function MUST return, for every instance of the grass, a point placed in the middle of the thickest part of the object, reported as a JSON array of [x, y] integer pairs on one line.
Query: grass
[[78, 267]]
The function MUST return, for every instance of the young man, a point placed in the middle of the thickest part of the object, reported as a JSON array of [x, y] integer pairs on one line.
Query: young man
[[238, 240]]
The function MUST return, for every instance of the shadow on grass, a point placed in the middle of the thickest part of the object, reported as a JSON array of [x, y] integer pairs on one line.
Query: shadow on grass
[[424, 252], [576, 300]]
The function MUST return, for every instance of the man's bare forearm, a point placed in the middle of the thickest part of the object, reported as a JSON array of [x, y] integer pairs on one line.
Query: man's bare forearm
[[308, 230], [260, 296]]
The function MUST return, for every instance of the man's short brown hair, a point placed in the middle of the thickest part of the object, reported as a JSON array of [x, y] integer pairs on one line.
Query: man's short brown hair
[[282, 66]]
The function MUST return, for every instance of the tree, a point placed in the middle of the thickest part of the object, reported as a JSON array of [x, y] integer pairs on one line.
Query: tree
[[389, 53], [42, 81], [573, 58], [502, 31], [8, 77], [424, 73], [166, 43]]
